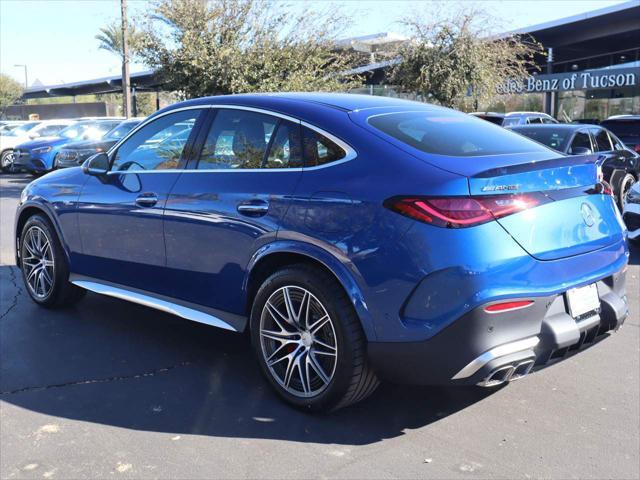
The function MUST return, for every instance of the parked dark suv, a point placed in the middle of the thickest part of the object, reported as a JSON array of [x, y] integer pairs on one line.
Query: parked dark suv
[[626, 128], [620, 165]]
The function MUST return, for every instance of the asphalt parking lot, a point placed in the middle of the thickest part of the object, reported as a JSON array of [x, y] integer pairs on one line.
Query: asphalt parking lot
[[113, 390]]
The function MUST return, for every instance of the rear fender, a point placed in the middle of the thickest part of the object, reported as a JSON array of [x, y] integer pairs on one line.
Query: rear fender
[[342, 268]]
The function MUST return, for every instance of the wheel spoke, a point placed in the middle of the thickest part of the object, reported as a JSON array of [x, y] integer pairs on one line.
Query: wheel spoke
[[289, 306], [313, 362], [285, 337], [320, 352], [304, 373], [32, 273], [289, 372], [277, 316], [29, 246], [301, 310], [40, 283], [47, 277], [272, 360], [318, 324], [325, 345]]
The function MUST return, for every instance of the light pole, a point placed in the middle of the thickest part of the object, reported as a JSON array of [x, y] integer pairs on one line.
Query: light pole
[[126, 92], [26, 79]]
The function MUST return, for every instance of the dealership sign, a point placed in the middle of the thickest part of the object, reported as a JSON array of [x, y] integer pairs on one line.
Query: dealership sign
[[587, 80]]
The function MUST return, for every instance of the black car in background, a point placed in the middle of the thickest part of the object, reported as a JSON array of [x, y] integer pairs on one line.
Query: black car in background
[[74, 154], [621, 165], [626, 128], [515, 118]]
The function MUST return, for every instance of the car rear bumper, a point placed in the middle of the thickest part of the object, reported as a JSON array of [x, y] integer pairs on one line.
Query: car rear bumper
[[488, 348]]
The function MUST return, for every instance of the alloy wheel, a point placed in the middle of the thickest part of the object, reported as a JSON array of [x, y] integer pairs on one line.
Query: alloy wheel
[[298, 341], [38, 263], [7, 160], [626, 188]]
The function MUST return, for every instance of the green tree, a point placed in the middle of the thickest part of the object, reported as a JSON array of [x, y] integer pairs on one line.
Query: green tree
[[236, 46], [456, 61], [10, 91]]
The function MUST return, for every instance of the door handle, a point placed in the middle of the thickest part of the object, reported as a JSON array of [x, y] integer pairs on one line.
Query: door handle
[[147, 199], [254, 208]]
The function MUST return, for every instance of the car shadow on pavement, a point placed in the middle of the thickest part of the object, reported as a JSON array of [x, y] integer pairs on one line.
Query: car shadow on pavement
[[14, 184], [634, 251], [110, 362]]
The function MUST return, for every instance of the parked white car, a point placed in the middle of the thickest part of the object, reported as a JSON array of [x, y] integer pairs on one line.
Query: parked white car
[[631, 213], [24, 133]]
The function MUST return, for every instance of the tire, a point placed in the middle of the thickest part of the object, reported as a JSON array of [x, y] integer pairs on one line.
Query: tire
[[44, 266], [625, 184], [347, 376], [6, 161]]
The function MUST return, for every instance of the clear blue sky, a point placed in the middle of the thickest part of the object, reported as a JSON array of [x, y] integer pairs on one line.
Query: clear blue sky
[[55, 38]]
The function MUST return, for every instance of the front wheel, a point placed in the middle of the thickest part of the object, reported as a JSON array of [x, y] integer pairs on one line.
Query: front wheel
[[44, 266], [309, 341], [6, 161]]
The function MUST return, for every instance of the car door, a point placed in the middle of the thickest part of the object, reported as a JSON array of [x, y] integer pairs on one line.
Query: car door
[[120, 214], [229, 203]]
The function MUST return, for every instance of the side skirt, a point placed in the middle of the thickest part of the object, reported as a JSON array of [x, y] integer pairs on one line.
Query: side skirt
[[189, 311]]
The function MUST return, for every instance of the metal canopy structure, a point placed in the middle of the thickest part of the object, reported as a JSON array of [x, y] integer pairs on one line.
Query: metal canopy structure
[[146, 81]]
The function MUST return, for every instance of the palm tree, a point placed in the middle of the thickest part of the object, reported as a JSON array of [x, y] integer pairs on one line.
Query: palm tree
[[110, 38]]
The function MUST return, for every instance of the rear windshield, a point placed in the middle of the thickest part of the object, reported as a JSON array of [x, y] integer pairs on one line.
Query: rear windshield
[[556, 138], [451, 133], [623, 128], [489, 118]]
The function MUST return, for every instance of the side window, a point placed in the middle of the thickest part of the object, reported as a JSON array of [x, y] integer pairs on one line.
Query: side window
[[159, 145], [602, 140], [581, 140], [617, 144], [238, 139], [51, 130], [547, 120], [286, 147], [319, 150], [534, 120]]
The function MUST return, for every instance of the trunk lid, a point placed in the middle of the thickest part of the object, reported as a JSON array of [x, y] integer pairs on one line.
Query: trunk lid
[[572, 222]]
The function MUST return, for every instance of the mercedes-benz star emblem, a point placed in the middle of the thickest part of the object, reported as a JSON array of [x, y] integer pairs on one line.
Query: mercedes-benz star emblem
[[587, 214]]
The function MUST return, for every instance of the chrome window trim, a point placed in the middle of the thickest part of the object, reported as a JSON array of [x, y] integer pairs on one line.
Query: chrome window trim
[[350, 152]]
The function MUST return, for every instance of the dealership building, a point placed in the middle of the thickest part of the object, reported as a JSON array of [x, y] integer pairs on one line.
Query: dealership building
[[591, 71]]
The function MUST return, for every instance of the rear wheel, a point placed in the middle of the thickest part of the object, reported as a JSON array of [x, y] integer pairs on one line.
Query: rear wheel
[[625, 185], [309, 341], [6, 161], [44, 266]]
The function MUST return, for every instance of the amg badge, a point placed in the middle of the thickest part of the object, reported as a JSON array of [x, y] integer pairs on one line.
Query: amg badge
[[499, 188]]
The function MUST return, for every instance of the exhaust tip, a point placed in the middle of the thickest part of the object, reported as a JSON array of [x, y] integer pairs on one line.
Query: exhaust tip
[[522, 369], [498, 376]]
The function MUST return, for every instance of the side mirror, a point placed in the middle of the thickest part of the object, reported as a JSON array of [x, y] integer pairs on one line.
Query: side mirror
[[96, 165], [580, 151]]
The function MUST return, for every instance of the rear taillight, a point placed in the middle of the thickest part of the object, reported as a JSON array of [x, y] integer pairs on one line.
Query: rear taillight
[[636, 148], [603, 187], [458, 212]]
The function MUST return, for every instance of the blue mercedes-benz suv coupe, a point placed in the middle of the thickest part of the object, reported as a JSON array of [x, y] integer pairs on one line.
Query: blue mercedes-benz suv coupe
[[356, 238]]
